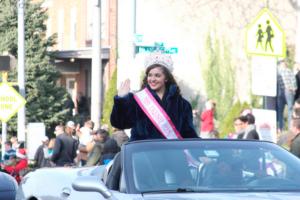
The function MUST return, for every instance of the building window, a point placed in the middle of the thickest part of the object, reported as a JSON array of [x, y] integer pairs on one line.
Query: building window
[[89, 21], [70, 86], [73, 20], [72, 90], [60, 29], [104, 19]]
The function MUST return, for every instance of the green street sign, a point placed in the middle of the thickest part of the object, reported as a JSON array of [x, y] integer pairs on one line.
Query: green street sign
[[10, 102], [264, 36], [138, 38], [158, 46]]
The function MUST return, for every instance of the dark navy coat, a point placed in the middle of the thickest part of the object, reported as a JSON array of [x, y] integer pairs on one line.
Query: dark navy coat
[[126, 113]]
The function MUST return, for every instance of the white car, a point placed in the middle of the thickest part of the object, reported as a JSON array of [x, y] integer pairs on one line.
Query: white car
[[55, 183], [176, 170]]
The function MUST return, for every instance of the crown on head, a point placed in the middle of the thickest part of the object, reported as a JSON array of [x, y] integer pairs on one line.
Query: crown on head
[[159, 59]]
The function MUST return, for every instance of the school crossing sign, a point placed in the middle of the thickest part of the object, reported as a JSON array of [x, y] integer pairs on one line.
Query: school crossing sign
[[10, 102], [264, 36]]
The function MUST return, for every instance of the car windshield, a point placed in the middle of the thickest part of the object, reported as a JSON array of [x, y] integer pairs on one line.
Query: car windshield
[[212, 165]]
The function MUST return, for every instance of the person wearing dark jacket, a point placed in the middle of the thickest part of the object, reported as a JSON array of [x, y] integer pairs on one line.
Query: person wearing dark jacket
[[160, 82], [297, 93], [99, 138], [295, 142], [64, 150], [119, 136], [250, 132], [41, 156], [110, 149]]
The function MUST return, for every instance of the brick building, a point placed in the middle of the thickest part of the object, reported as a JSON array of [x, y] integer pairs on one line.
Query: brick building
[[72, 21]]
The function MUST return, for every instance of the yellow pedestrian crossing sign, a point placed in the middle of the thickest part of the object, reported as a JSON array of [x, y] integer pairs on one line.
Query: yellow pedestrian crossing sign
[[10, 102], [264, 36]]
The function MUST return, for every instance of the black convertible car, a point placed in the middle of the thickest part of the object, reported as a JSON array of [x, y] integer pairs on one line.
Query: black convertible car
[[191, 169]]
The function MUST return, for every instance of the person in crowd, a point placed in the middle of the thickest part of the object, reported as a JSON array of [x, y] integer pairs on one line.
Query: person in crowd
[[15, 143], [51, 147], [42, 156], [105, 127], [297, 76], [21, 145], [286, 92], [85, 137], [119, 136], [9, 151], [99, 138], [69, 104], [239, 124], [296, 113], [280, 103], [250, 132], [59, 129], [18, 164], [70, 128], [295, 142], [160, 90], [110, 149], [82, 104], [196, 120], [207, 120], [65, 147], [214, 134]]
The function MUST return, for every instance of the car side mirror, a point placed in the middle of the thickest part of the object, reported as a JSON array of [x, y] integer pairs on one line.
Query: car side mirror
[[91, 184]]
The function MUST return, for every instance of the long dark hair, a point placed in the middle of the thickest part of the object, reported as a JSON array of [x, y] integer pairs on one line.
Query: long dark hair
[[170, 78]]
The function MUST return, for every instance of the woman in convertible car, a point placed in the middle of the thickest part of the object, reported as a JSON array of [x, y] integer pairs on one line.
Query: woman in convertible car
[[130, 111]]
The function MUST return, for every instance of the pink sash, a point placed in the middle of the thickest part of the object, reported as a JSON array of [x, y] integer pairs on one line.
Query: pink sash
[[160, 119], [156, 114]]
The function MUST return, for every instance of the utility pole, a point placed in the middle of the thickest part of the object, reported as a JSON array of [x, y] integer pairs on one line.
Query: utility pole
[[4, 125], [21, 69], [96, 66]]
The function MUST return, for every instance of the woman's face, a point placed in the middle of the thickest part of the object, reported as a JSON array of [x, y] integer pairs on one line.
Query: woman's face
[[239, 125], [156, 79]]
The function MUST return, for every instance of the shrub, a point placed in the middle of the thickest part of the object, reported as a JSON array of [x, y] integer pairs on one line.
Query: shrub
[[109, 100]]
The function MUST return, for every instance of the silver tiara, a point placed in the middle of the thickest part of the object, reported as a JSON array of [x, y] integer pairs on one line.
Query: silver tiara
[[160, 59]]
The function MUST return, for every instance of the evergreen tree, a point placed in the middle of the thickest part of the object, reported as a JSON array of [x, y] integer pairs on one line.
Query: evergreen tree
[[46, 101], [109, 99], [219, 76]]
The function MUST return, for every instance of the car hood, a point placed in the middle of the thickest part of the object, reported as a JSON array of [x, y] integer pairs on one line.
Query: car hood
[[65, 171], [59, 179], [222, 196]]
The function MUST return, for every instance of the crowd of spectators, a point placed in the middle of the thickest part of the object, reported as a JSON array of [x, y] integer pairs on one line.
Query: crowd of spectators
[[72, 145]]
